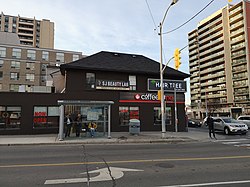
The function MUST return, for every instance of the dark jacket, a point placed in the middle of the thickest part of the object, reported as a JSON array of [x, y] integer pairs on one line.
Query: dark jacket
[[210, 121]]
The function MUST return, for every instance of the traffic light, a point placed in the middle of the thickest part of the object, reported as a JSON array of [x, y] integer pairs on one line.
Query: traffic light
[[159, 95], [229, 1], [177, 58]]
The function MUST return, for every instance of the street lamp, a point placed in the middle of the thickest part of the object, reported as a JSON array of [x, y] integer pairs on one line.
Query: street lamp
[[161, 73]]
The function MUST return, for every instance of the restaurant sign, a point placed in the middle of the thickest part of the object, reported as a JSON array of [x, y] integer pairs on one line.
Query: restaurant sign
[[168, 85], [112, 85]]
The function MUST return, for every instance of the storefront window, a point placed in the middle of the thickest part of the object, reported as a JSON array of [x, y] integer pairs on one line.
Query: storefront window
[[127, 113], [46, 117], [10, 117], [157, 116]]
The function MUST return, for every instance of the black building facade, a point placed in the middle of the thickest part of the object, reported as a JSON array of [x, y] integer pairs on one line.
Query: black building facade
[[129, 81]]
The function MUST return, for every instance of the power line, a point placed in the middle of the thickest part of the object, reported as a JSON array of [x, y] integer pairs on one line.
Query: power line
[[189, 19], [149, 9]]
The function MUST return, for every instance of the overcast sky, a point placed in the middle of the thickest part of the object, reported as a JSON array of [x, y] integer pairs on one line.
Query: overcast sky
[[126, 26]]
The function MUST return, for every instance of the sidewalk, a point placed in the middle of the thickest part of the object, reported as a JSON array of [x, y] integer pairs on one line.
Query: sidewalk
[[116, 137]]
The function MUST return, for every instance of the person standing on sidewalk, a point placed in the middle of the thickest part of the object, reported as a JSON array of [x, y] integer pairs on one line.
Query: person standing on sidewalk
[[68, 122], [210, 123], [78, 125]]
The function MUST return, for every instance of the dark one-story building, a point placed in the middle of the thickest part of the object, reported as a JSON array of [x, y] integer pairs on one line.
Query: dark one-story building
[[107, 88]]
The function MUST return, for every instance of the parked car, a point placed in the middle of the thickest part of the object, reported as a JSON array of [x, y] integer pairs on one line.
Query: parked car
[[229, 125], [244, 119], [194, 123]]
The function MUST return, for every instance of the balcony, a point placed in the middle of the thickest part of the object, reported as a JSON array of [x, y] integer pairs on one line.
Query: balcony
[[212, 56], [192, 41], [212, 76], [194, 70], [211, 37], [191, 36], [192, 47], [236, 10], [241, 93], [237, 32], [193, 63], [26, 21], [194, 92], [239, 78], [216, 28], [193, 58], [238, 62], [236, 18], [193, 52], [237, 25], [195, 80], [194, 86], [213, 96], [237, 47], [211, 63], [238, 54], [238, 85], [194, 98], [211, 50], [211, 83]]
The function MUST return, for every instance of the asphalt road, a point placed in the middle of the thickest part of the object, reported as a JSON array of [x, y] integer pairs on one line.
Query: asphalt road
[[149, 165]]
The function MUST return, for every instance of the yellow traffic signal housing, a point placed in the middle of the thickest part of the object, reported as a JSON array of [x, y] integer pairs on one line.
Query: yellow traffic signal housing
[[159, 95], [177, 58]]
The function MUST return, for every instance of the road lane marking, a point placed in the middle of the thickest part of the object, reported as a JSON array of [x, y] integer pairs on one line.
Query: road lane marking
[[210, 184], [105, 174], [228, 143], [243, 145], [241, 139], [126, 161]]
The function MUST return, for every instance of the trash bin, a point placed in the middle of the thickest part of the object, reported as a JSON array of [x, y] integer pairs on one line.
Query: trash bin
[[134, 126]]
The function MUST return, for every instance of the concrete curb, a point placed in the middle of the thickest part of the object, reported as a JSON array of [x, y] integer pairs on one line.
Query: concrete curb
[[103, 142]]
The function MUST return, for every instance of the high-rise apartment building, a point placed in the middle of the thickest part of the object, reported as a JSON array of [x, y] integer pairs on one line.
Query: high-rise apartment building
[[219, 62], [31, 32]]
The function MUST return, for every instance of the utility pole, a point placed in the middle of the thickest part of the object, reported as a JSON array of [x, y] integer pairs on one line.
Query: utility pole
[[163, 125]]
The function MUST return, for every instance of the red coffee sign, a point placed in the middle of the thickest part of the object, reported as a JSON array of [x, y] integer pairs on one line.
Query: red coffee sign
[[148, 97]]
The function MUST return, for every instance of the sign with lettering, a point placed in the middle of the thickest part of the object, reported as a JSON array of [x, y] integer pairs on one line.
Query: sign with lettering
[[168, 85], [126, 97], [40, 117], [112, 85]]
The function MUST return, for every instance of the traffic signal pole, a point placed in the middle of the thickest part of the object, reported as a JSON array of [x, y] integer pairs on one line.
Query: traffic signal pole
[[163, 124]]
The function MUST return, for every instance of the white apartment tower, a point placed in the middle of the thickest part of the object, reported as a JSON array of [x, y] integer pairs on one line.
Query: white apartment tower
[[219, 62]]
